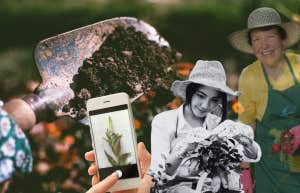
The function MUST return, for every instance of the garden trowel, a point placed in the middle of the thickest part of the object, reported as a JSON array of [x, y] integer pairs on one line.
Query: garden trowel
[[58, 59]]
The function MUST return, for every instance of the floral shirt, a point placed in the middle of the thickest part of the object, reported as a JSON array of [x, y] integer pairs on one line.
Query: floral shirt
[[15, 152]]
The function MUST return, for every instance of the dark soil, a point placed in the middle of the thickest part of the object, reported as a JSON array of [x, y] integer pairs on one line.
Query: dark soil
[[126, 62]]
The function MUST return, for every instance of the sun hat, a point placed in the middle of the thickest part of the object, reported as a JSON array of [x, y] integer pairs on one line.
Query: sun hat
[[15, 152], [263, 17], [207, 73]]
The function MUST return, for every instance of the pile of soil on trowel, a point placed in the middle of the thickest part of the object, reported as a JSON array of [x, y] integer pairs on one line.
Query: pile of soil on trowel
[[126, 62]]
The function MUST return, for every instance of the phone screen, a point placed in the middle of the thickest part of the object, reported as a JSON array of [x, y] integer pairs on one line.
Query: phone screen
[[113, 140]]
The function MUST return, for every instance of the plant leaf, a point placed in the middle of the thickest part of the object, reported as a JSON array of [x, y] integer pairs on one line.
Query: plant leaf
[[111, 160], [115, 137], [123, 158], [106, 140], [276, 134], [114, 141], [110, 128], [117, 145]]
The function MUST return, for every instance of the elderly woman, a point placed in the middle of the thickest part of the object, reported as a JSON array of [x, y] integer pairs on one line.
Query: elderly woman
[[270, 89], [192, 146]]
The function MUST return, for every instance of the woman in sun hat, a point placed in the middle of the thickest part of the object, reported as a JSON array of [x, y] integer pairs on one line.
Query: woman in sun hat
[[270, 97], [177, 136]]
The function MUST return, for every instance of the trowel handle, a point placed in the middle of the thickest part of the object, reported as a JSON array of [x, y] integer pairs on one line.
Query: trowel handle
[[21, 112], [28, 111]]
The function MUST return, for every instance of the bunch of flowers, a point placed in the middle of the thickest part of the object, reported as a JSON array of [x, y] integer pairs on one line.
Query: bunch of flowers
[[214, 162], [282, 143], [211, 157]]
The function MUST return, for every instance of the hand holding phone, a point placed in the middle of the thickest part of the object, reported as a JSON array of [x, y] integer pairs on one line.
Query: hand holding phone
[[113, 139], [144, 159], [105, 184]]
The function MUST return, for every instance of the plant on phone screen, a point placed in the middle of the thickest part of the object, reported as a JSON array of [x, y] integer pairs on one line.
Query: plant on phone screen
[[114, 141]]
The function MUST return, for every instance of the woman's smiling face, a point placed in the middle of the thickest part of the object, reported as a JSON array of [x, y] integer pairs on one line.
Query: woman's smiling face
[[205, 100], [267, 46]]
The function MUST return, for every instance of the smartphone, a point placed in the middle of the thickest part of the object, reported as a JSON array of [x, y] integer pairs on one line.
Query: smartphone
[[113, 137]]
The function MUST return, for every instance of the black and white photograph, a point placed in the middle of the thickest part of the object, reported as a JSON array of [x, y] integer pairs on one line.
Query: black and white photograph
[[195, 148]]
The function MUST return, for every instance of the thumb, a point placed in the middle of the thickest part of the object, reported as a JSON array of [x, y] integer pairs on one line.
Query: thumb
[[105, 184]]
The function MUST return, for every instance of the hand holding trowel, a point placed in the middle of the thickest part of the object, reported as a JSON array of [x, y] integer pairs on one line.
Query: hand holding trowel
[[59, 58]]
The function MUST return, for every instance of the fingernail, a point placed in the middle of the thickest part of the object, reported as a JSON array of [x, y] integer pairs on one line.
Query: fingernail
[[119, 173]]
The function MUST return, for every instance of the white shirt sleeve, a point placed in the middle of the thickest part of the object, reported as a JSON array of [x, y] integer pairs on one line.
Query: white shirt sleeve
[[160, 142]]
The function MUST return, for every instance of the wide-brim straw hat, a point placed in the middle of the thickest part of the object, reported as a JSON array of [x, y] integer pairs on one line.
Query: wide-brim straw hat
[[207, 73], [263, 17]]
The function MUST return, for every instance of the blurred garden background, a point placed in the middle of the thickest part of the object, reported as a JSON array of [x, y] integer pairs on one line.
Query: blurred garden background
[[196, 28]]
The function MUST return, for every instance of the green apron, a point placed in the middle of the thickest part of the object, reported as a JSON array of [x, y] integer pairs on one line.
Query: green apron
[[282, 113]]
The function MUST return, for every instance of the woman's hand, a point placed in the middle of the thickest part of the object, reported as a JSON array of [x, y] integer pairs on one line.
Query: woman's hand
[[178, 154], [250, 150], [182, 149], [92, 171], [213, 118], [218, 110], [144, 158], [295, 142], [104, 185]]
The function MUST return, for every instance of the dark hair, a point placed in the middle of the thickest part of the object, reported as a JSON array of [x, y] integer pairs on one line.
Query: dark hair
[[193, 87], [280, 30]]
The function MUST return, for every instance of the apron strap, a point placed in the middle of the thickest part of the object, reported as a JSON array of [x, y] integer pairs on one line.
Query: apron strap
[[291, 70], [266, 76], [176, 126]]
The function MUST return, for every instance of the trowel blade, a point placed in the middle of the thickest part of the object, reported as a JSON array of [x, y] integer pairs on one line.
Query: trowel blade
[[58, 58]]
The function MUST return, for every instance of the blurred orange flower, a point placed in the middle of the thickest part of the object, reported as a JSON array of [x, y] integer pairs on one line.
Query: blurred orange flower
[[52, 129], [69, 140], [175, 103], [237, 107], [143, 99], [184, 68], [137, 124], [68, 160]]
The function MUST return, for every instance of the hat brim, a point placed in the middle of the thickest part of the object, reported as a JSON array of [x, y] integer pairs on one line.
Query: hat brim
[[239, 39], [179, 88]]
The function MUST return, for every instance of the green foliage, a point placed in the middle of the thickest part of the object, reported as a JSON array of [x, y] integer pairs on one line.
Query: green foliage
[[114, 141], [15, 69], [276, 133]]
